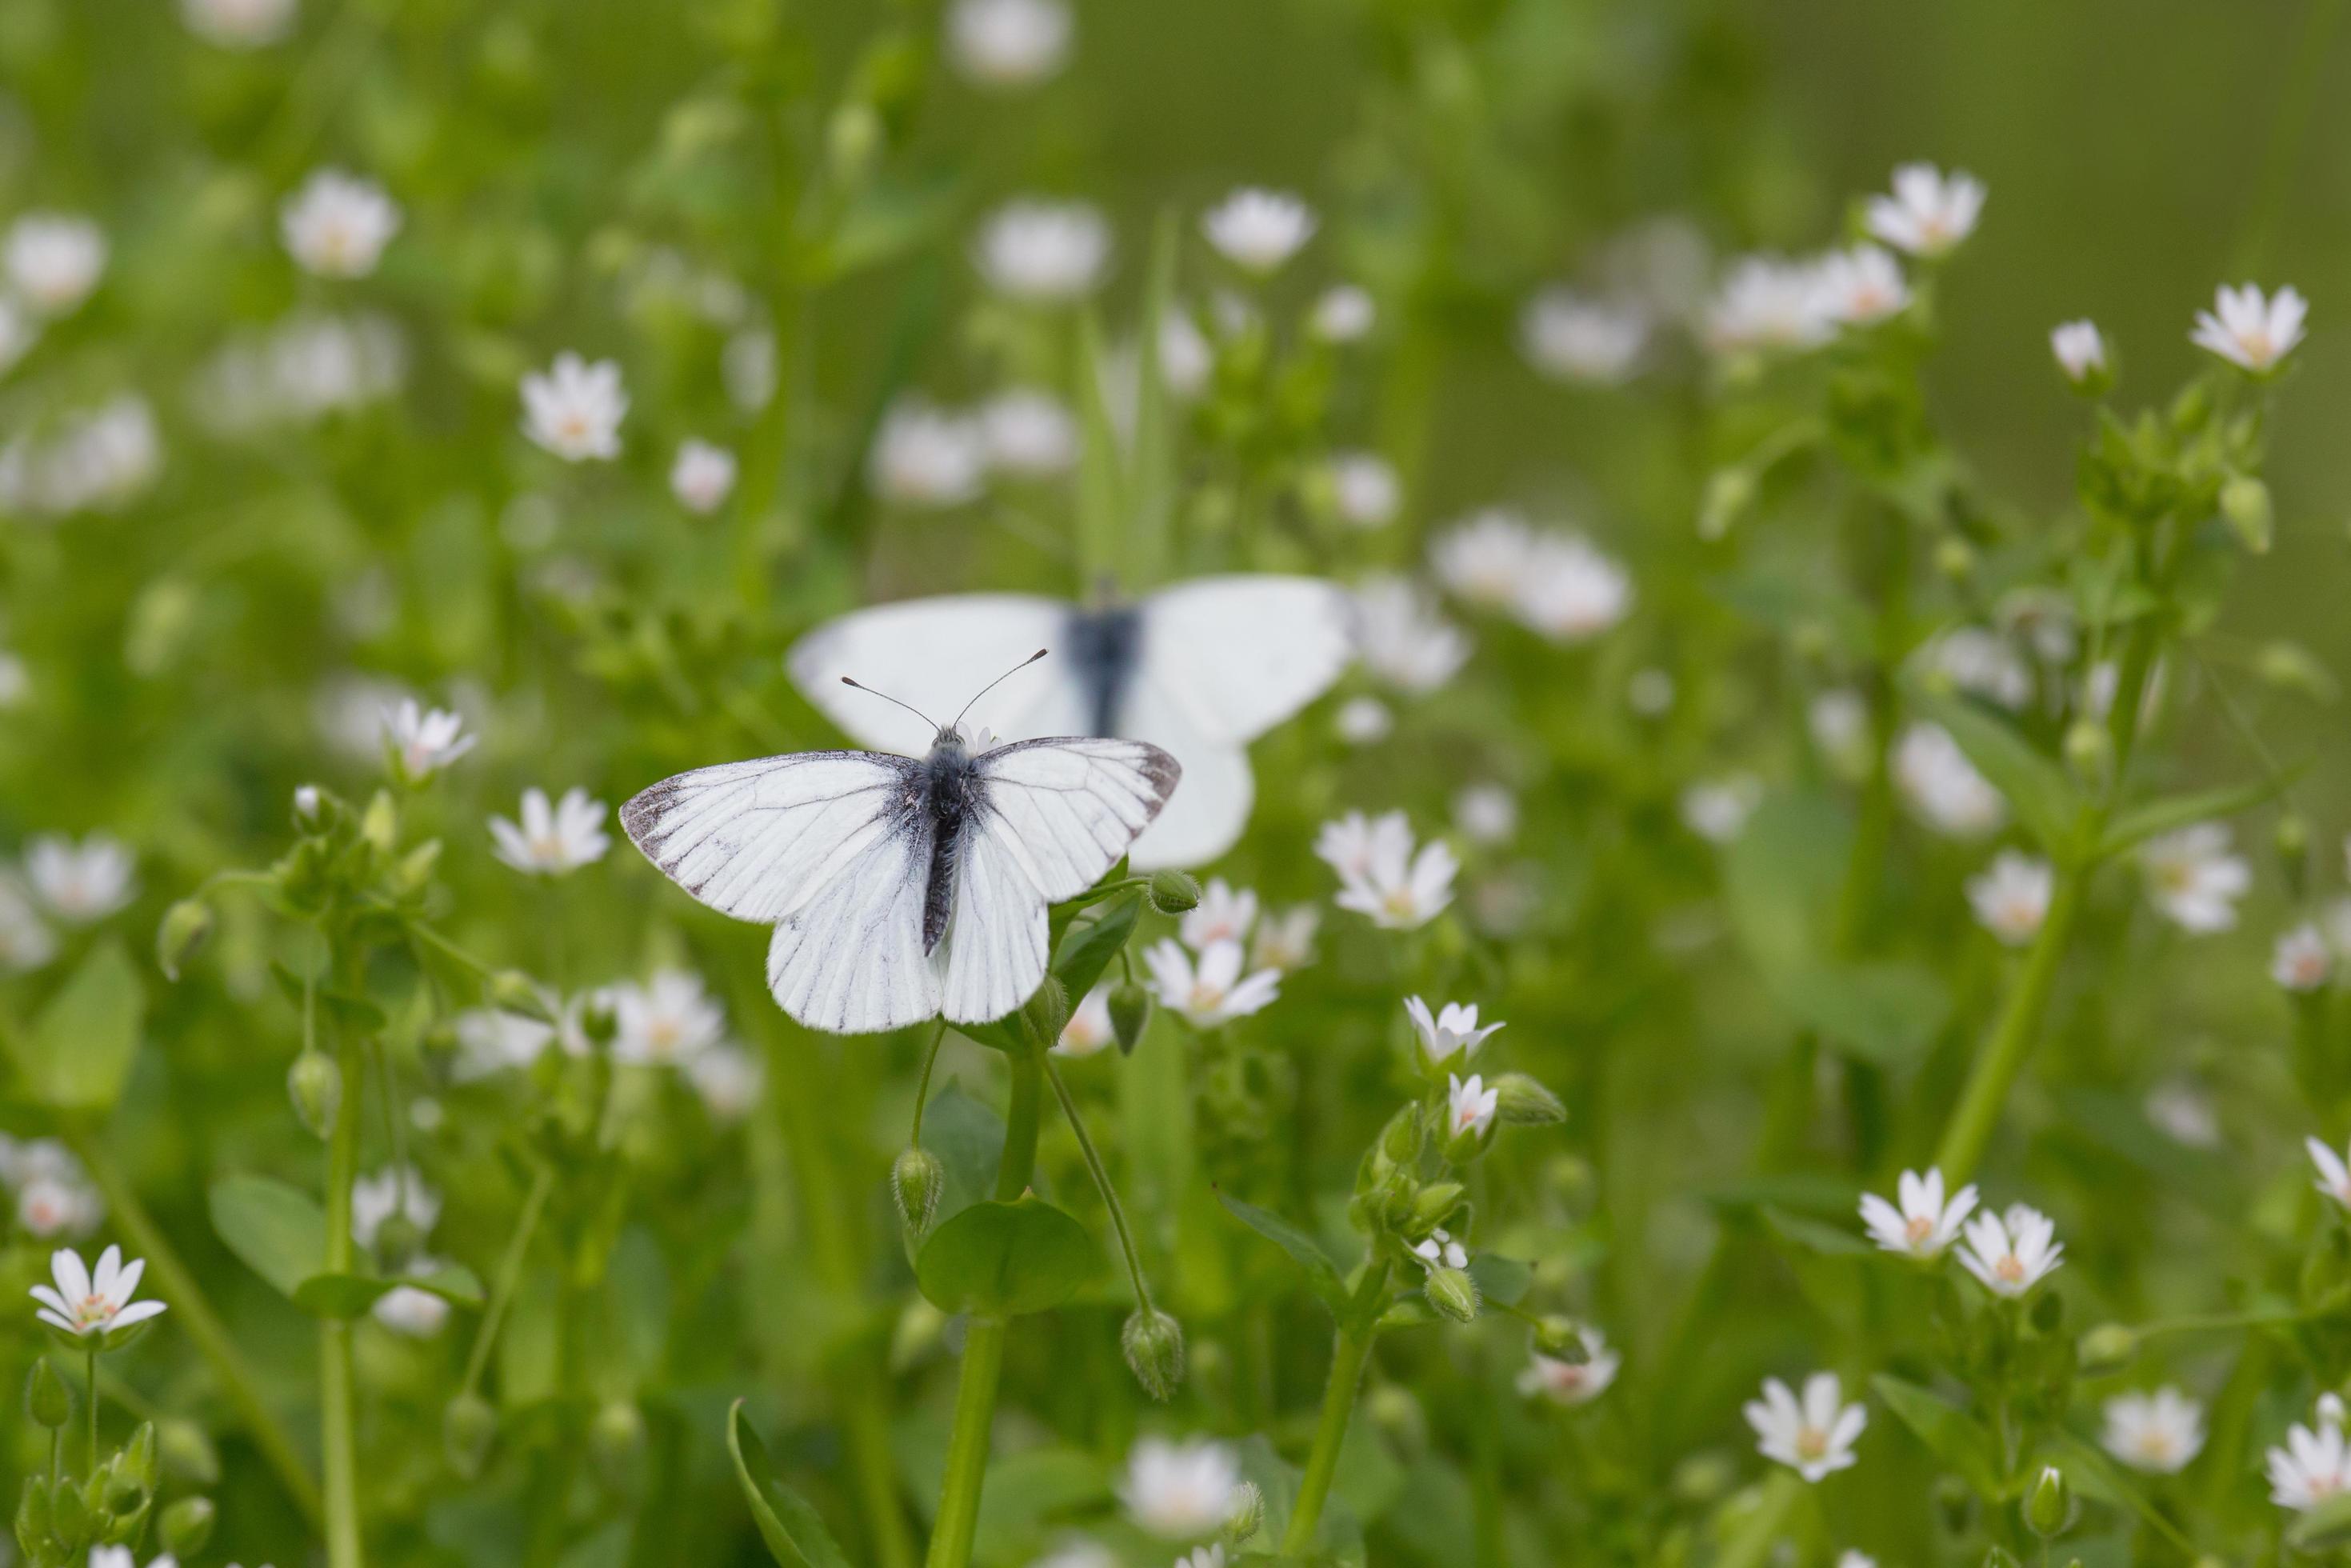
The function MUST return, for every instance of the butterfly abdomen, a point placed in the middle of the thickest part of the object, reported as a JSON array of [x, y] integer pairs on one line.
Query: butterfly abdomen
[[952, 789], [1104, 647]]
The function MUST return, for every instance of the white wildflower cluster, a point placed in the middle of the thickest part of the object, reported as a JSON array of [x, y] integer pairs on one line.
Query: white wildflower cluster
[[93, 460], [1381, 874], [47, 1190], [1555, 583], [668, 1021], [1203, 973], [306, 368], [928, 458], [1402, 637], [2009, 1252]]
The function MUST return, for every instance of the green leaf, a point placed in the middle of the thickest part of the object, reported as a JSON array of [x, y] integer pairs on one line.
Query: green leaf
[[1001, 1260], [279, 1231], [2094, 1475], [2036, 788], [1093, 941], [2135, 824], [1781, 879], [968, 1139], [1503, 1281], [1886, 1013], [77, 1052], [1951, 1433], [1813, 1235], [885, 220], [795, 1535], [1322, 1274]]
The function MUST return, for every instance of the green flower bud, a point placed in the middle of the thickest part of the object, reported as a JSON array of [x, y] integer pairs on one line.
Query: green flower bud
[[187, 925], [617, 1436], [1130, 1015], [122, 1495], [1248, 1516], [1400, 1139], [1954, 558], [1729, 493], [2291, 841], [33, 1519], [512, 991], [2088, 750], [380, 826], [467, 1428], [1453, 1293], [186, 1525], [1433, 1204], [2046, 1507], [917, 1180], [187, 1452], [1703, 1477], [48, 1400], [1154, 1344], [1524, 1103], [2245, 504], [1173, 893], [1394, 1409], [70, 1519], [1048, 1011], [1562, 1339], [2108, 1348], [138, 1457], [315, 1084]]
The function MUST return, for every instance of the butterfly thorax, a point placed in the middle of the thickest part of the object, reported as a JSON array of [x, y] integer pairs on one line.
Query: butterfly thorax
[[1104, 644], [951, 794]]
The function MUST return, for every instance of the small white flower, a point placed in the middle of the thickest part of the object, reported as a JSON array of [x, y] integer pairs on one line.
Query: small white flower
[[748, 366], [2184, 1114], [1924, 1224], [80, 883], [411, 1313], [1486, 557], [1440, 1250], [2333, 1175], [1224, 914], [2302, 961], [98, 460], [2159, 1433], [491, 1040], [1862, 286], [1486, 813], [1716, 809], [1379, 875], [25, 941], [2311, 1468], [84, 1303], [1043, 251], [703, 476], [1814, 1437], [1453, 1030], [2012, 1253], [553, 841], [1215, 993], [1650, 691], [728, 1077], [2080, 350], [1571, 592], [1088, 1028], [52, 1205], [1983, 663], [1029, 434], [1853, 1559], [1180, 1490], [1364, 489], [574, 409], [1402, 639], [1572, 1382], [1363, 721], [2250, 331], [1008, 43], [1768, 303], [1209, 1556], [1258, 230], [2193, 879], [1943, 786], [2012, 898], [1344, 314], [1077, 1552], [54, 260], [926, 457], [391, 1191], [238, 23], [1469, 1106], [337, 224], [1930, 211], [425, 740], [1285, 941], [669, 1019], [1839, 721], [1570, 338]]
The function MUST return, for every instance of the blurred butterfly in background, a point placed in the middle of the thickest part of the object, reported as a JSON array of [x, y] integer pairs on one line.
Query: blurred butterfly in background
[[1199, 669], [900, 887]]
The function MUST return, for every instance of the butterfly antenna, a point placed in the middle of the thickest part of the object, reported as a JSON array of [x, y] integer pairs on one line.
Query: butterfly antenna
[[995, 683], [886, 697]]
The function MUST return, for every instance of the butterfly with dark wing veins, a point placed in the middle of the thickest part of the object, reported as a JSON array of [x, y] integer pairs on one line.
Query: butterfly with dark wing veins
[[899, 887]]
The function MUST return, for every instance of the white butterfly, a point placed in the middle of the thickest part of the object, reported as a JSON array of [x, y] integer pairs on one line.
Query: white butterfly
[[1201, 668], [899, 887]]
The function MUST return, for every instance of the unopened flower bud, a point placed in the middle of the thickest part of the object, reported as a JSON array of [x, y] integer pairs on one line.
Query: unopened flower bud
[[1729, 493], [1248, 1516], [1453, 1293], [48, 1400], [2088, 749], [512, 991], [1394, 1409], [1130, 1015], [1048, 1010], [1955, 560], [617, 1436], [1432, 1205], [2108, 1348], [137, 1457], [33, 1517], [2246, 503], [187, 924], [1400, 1139], [186, 1525], [917, 1180], [187, 1452], [2291, 840], [1173, 893], [2046, 1507], [310, 807], [1523, 1102], [122, 1495], [315, 1084], [467, 1427], [1154, 1344], [1562, 1339], [70, 1519]]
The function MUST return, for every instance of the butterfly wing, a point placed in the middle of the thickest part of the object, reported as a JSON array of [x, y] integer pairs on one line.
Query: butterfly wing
[[933, 653], [1049, 818], [829, 847]]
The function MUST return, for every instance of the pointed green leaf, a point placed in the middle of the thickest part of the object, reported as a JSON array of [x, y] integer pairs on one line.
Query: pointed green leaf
[[2035, 785], [277, 1229], [78, 1053], [1951, 1433], [1093, 941], [1322, 1274], [795, 1534], [2134, 825]]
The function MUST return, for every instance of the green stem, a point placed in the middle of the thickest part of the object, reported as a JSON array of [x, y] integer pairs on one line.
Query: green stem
[[983, 1344], [2003, 1055], [91, 1400], [337, 1401], [1095, 1169], [193, 1312], [922, 1088], [509, 1275], [1347, 1360], [1752, 1547]]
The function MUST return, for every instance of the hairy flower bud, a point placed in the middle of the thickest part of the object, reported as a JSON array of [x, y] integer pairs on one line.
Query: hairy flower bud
[[2108, 1348], [1048, 1010], [1523, 1102], [2001, 1557], [1432, 1205], [2246, 503], [122, 1495], [138, 1457], [69, 1520], [1173, 893], [1453, 1293], [1154, 1344], [186, 1525], [315, 1084], [467, 1427], [917, 1180], [2088, 750], [48, 1400], [186, 926], [1248, 1516], [512, 991], [1130, 1015], [2048, 1504]]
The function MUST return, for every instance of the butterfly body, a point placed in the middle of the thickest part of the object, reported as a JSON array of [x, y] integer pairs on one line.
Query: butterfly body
[[951, 788], [1105, 651]]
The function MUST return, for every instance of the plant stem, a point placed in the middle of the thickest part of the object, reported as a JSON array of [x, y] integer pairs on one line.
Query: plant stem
[[1347, 1358], [509, 1275], [339, 1438], [922, 1088], [983, 1344], [2003, 1055], [92, 1402], [193, 1311], [1095, 1168]]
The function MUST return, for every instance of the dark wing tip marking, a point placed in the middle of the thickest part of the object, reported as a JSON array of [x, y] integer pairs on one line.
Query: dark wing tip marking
[[1162, 769], [641, 811]]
